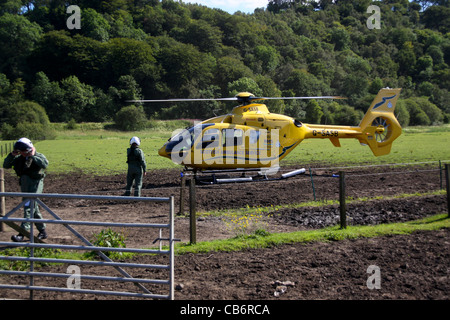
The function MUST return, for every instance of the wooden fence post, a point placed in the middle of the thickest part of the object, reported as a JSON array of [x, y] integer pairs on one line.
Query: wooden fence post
[[312, 184], [182, 192], [192, 215], [447, 182], [342, 206], [2, 199]]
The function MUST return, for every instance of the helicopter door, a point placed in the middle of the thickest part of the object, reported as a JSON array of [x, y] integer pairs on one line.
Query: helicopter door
[[252, 143], [209, 145], [233, 145]]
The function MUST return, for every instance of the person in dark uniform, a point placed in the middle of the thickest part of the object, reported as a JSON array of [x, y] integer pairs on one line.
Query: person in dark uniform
[[30, 166], [137, 167]]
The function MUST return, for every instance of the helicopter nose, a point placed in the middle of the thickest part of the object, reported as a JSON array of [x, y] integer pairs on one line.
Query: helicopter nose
[[162, 152]]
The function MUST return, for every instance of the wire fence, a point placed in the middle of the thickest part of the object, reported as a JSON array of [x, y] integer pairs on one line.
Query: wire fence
[[6, 148], [339, 183]]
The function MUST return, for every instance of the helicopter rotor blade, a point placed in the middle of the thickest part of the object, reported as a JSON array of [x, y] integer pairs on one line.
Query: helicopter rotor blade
[[296, 98], [250, 98], [185, 100]]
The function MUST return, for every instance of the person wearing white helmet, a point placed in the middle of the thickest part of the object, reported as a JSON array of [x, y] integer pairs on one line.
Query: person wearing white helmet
[[137, 167], [30, 166]]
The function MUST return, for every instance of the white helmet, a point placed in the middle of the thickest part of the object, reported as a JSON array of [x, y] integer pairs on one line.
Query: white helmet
[[23, 144], [135, 140]]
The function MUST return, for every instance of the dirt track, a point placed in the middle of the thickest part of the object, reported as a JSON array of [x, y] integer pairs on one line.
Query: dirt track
[[412, 267]]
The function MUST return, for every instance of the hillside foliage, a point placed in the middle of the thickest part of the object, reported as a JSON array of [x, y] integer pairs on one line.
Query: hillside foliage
[[134, 49]]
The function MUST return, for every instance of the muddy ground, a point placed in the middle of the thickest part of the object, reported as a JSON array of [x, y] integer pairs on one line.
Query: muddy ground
[[411, 267]]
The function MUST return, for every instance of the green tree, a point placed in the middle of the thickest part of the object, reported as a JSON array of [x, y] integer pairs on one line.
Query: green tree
[[406, 59], [90, 58], [205, 37], [335, 113], [64, 100], [126, 56], [229, 69], [18, 38], [104, 108], [303, 83], [244, 85], [185, 65], [438, 18], [340, 38], [11, 6], [436, 54], [122, 26], [425, 89], [375, 85], [48, 94], [268, 57], [314, 112], [77, 98], [424, 62], [53, 55], [270, 89], [95, 26], [126, 89]]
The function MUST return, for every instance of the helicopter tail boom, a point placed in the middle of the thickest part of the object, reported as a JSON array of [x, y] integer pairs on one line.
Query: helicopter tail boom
[[378, 128]]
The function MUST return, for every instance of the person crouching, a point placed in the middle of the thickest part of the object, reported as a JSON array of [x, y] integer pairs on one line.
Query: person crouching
[[30, 166]]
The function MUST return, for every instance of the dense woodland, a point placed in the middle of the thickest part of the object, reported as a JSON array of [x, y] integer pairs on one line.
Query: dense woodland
[[133, 49]]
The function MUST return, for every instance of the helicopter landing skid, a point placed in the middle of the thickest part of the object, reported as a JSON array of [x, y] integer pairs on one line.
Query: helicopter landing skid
[[240, 175]]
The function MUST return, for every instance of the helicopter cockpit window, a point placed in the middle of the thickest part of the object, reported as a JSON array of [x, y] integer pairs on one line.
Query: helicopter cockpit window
[[232, 137], [184, 139], [210, 139]]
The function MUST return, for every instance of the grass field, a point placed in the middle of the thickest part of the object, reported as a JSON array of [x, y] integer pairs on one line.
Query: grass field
[[95, 150]]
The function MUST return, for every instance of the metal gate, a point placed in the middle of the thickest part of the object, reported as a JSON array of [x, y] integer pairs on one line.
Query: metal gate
[[35, 199]]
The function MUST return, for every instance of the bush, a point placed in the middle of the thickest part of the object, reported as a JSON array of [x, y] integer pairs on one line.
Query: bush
[[423, 112], [71, 125], [131, 118], [110, 239], [402, 113], [27, 112], [27, 119], [33, 131]]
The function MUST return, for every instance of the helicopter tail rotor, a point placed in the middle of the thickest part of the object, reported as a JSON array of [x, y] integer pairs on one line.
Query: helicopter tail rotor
[[380, 127]]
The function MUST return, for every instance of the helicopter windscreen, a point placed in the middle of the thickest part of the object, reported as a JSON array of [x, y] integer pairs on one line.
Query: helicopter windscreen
[[184, 140]]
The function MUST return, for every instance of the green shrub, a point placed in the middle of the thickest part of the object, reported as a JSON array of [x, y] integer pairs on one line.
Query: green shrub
[[131, 118], [72, 125], [33, 131], [27, 119], [110, 239]]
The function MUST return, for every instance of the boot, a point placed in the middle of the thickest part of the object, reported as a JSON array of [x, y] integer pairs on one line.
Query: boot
[[18, 238], [42, 235]]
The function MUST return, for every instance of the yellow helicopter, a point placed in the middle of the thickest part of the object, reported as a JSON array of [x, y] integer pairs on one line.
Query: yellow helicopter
[[252, 138]]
